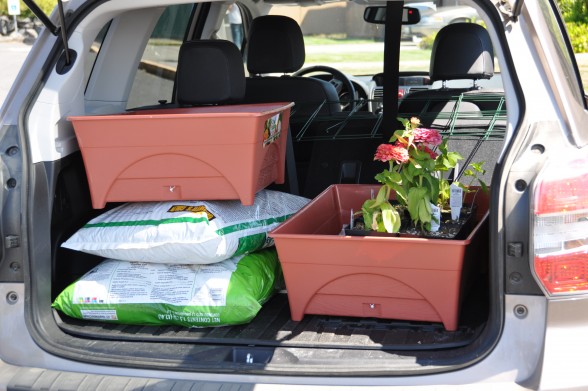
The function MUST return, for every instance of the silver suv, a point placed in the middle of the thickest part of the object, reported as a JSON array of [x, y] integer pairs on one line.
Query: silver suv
[[524, 320]]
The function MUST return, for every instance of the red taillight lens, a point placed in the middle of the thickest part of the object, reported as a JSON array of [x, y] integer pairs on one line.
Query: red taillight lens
[[564, 273], [568, 192], [560, 226]]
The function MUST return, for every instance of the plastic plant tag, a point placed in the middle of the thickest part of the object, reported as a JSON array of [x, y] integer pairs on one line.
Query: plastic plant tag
[[435, 218], [455, 201]]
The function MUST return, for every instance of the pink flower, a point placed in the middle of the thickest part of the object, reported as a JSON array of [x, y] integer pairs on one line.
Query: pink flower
[[387, 152], [429, 136]]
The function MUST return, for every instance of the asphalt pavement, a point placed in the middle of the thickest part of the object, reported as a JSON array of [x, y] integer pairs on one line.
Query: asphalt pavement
[[13, 53]]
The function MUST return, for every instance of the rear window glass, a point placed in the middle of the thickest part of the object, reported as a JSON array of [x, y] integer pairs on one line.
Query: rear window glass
[[156, 83]]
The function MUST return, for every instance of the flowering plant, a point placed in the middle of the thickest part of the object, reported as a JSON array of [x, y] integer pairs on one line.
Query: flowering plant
[[417, 159]]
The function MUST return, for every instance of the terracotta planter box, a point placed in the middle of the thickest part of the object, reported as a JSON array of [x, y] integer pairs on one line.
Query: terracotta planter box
[[382, 277], [196, 153]]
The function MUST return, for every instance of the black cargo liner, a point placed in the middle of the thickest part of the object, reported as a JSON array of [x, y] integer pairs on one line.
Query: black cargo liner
[[272, 327]]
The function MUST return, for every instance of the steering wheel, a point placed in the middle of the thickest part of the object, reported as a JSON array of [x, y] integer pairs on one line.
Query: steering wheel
[[342, 84]]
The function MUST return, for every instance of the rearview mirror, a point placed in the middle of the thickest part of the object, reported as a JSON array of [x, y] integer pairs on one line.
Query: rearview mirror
[[377, 15]]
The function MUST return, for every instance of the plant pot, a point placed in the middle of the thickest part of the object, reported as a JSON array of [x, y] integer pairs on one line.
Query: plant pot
[[184, 153], [459, 229], [371, 276]]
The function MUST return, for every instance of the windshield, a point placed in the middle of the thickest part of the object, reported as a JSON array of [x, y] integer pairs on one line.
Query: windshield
[[336, 35]]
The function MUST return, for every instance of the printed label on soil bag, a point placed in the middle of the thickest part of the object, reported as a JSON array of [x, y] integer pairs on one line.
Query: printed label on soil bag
[[273, 129], [135, 282], [99, 314]]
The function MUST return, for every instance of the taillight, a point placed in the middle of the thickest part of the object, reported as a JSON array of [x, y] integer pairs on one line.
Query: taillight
[[561, 226]]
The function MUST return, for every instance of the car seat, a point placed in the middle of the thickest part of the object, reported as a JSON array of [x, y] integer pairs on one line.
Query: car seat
[[275, 45], [468, 115], [209, 72]]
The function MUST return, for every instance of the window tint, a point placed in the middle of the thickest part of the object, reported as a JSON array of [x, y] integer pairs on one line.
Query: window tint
[[93, 53], [154, 80]]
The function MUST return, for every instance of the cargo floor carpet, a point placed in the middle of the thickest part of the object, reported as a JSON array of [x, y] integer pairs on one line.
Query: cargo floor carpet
[[272, 327]]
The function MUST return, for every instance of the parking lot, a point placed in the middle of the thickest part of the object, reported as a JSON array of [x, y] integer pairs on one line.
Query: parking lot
[[13, 53]]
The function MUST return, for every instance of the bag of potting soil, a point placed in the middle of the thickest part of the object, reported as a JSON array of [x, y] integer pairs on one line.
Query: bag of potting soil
[[225, 293], [188, 232]]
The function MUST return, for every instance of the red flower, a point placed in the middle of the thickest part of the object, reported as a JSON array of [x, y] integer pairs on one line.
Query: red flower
[[387, 152], [429, 136]]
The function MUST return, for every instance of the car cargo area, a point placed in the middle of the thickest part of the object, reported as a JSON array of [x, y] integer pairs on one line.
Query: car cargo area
[[116, 161], [382, 342]]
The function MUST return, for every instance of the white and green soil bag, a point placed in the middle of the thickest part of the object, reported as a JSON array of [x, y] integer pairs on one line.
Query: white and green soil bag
[[226, 293], [189, 232]]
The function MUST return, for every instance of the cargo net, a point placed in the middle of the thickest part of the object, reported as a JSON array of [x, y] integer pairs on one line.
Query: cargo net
[[470, 115]]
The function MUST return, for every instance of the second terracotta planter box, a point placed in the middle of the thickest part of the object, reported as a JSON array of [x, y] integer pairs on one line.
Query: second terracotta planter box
[[396, 278], [206, 153]]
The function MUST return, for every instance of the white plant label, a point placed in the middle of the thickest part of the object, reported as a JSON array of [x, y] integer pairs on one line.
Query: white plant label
[[436, 218], [455, 201]]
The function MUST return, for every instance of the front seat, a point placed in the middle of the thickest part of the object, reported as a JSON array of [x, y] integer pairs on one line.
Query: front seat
[[467, 114], [275, 45]]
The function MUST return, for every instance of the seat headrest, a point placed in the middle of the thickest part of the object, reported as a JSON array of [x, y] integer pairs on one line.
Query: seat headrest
[[275, 45], [462, 51], [210, 72]]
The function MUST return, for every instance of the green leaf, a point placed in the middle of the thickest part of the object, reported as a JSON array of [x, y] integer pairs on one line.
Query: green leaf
[[382, 196], [374, 225], [425, 211], [404, 121], [478, 167], [401, 195], [415, 195], [390, 218], [483, 186]]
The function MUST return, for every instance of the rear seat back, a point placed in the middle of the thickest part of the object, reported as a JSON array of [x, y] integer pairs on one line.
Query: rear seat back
[[473, 118], [209, 72], [199, 79]]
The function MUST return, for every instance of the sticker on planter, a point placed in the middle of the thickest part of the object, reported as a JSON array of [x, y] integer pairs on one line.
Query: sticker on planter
[[273, 129]]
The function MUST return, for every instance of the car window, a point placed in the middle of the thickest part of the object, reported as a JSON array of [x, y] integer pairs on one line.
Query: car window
[[94, 51], [337, 36], [418, 39], [566, 53], [575, 15], [235, 24], [156, 83]]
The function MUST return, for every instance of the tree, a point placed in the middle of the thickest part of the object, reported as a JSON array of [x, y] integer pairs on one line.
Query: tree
[[46, 5]]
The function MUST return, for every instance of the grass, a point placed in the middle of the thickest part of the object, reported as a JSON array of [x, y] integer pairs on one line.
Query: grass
[[365, 63], [164, 42], [583, 66], [333, 40], [334, 58]]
